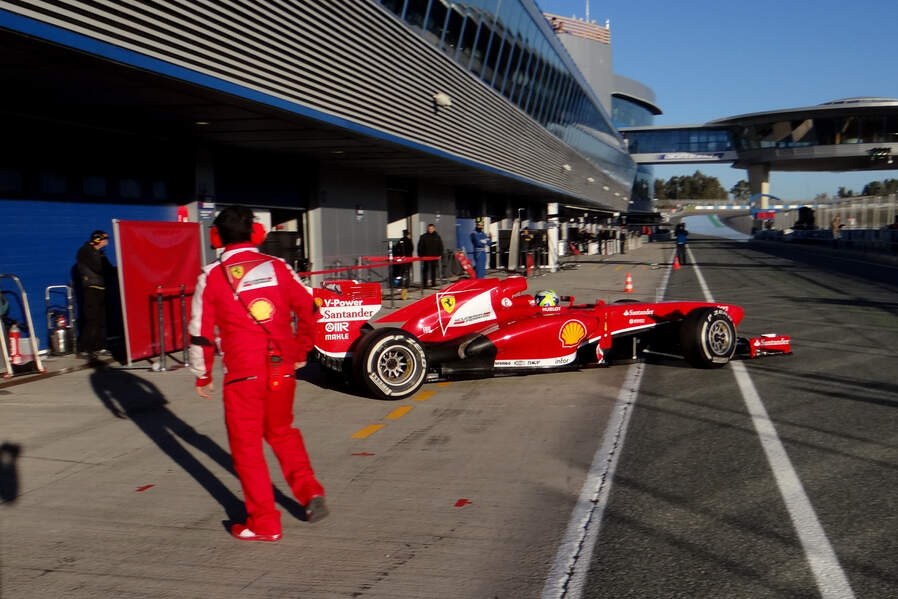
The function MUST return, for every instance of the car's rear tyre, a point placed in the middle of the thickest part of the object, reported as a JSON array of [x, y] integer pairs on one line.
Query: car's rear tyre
[[389, 363], [708, 337]]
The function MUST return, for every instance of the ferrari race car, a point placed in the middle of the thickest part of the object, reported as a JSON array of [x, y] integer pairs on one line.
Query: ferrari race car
[[486, 327]]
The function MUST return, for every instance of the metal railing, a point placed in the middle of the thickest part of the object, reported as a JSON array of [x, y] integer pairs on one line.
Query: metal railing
[[866, 224], [4, 334]]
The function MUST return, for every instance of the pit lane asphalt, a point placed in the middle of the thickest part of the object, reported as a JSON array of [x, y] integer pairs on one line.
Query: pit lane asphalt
[[694, 510], [124, 480], [124, 477]]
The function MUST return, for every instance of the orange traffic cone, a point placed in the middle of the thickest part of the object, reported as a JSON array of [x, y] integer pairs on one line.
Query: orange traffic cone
[[676, 265], [628, 285]]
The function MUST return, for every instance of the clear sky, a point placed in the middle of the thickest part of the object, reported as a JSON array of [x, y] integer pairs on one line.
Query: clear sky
[[712, 59]]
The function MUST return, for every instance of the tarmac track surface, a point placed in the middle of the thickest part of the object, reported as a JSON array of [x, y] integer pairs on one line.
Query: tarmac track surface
[[694, 508], [467, 490]]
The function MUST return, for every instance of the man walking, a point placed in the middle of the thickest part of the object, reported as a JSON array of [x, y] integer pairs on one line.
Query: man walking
[[249, 297], [430, 244]]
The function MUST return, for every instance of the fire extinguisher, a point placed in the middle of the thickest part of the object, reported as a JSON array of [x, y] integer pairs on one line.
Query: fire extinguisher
[[59, 337], [15, 344]]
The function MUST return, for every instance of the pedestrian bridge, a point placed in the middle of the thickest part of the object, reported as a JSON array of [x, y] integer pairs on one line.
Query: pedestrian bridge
[[679, 145], [851, 134]]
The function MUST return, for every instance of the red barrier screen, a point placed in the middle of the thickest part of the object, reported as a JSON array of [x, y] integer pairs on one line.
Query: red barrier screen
[[149, 255]]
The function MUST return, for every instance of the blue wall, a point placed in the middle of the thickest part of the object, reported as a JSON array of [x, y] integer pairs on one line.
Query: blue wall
[[40, 239]]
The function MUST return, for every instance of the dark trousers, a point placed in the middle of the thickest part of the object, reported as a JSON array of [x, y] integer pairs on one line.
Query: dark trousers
[[429, 270], [681, 252], [93, 320], [401, 275]]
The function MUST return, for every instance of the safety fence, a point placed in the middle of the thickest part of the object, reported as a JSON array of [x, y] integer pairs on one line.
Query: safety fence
[[863, 212], [394, 272], [591, 246], [866, 224], [882, 242]]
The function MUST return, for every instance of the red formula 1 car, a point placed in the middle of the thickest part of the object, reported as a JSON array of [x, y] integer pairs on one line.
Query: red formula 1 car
[[485, 327]]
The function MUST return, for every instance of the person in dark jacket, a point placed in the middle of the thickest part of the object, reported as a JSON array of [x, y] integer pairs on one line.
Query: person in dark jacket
[[430, 244], [92, 266], [403, 248]]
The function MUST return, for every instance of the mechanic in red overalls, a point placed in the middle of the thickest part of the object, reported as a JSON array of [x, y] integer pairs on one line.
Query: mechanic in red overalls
[[249, 297]]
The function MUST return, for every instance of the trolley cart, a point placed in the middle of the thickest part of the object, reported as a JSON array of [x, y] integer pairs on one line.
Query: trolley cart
[[7, 362], [62, 339], [181, 292]]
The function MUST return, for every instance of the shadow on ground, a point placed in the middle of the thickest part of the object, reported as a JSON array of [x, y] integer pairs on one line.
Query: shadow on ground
[[130, 397]]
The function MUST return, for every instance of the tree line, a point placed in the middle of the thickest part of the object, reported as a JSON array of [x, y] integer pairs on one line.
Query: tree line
[[885, 187], [699, 186]]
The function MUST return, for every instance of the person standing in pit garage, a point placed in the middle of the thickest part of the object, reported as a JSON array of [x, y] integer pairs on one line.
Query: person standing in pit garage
[[403, 248], [430, 244], [249, 297], [481, 242]]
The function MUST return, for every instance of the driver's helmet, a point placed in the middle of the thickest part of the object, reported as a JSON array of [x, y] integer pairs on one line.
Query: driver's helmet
[[546, 297]]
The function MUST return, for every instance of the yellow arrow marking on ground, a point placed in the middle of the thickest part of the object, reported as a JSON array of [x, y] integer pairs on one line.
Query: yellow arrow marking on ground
[[399, 412], [423, 395], [444, 384], [619, 267], [367, 431]]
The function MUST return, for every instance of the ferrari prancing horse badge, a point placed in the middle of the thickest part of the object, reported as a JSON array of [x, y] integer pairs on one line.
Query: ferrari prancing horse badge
[[448, 303]]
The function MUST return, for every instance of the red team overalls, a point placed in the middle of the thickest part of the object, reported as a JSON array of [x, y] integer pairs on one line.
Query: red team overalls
[[270, 291]]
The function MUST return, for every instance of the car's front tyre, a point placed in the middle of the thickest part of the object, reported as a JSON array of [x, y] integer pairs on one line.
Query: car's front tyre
[[708, 338]]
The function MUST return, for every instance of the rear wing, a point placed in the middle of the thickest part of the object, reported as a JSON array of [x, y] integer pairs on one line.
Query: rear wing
[[344, 306]]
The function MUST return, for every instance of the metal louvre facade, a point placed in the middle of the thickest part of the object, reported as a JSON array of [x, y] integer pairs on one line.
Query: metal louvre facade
[[348, 63]]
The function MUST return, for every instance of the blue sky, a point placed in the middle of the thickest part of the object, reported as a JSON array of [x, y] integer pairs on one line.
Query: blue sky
[[707, 60]]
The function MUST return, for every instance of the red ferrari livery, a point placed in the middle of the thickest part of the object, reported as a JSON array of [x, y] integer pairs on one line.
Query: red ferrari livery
[[485, 327]]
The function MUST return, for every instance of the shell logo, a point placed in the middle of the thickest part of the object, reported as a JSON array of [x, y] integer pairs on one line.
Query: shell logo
[[262, 309], [572, 333]]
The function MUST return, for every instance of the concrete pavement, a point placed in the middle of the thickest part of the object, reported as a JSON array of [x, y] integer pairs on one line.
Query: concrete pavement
[[124, 479]]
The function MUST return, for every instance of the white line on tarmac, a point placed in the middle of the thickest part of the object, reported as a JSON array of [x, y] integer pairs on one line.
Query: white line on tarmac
[[568, 573], [831, 579]]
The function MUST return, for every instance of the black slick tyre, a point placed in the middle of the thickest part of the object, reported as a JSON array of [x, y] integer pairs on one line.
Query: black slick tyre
[[389, 363], [708, 338]]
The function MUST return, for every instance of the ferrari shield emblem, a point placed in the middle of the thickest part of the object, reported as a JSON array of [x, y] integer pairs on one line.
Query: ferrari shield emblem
[[237, 272], [448, 303]]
